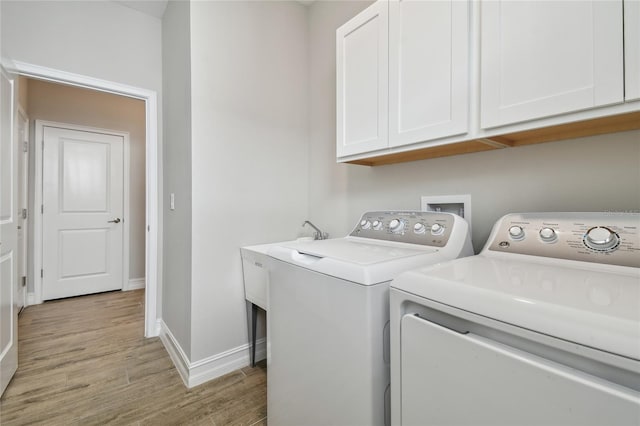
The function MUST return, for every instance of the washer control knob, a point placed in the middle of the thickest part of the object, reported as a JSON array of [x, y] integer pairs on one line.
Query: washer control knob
[[377, 225], [365, 224], [601, 238], [419, 228], [437, 229], [516, 233], [396, 225], [548, 235]]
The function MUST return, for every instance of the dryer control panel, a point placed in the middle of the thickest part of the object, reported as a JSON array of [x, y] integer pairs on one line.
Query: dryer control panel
[[611, 238], [413, 227]]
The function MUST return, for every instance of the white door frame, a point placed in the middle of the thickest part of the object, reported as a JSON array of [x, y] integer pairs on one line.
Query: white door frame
[[38, 255], [153, 234], [24, 196]]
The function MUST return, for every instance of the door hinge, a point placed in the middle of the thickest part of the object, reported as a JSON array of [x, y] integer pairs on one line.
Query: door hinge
[[41, 273], [42, 144], [25, 146], [24, 281], [24, 213], [41, 208]]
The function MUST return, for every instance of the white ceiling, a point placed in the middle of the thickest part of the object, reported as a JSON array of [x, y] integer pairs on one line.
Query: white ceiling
[[156, 7], [150, 7]]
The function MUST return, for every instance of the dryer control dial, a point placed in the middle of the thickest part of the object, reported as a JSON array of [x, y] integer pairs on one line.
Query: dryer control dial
[[377, 225], [365, 224], [396, 226], [548, 235], [601, 238], [516, 233]]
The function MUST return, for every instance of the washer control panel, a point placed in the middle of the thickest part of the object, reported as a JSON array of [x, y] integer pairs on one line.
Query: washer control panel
[[414, 227], [611, 238]]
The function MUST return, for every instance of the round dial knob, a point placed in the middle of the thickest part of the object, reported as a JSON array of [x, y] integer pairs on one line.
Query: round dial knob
[[365, 224], [396, 225], [419, 228], [437, 229], [377, 225], [516, 232], [601, 238], [548, 235]]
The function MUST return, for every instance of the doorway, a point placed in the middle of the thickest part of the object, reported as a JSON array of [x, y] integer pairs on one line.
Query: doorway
[[151, 228]]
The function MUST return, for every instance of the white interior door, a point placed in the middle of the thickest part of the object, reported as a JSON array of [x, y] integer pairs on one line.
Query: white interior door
[[8, 234], [82, 212], [22, 145]]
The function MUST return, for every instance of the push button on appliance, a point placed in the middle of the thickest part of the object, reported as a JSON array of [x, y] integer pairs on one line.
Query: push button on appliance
[[548, 235], [516, 233]]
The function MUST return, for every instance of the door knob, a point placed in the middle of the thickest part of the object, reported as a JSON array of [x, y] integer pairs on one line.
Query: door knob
[[116, 220]]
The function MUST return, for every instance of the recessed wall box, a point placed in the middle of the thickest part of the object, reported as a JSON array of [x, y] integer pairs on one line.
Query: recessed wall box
[[457, 204]]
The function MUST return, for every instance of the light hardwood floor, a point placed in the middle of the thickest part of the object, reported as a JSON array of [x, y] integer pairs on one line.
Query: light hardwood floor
[[84, 361]]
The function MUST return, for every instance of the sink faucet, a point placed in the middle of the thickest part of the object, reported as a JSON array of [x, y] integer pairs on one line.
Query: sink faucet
[[318, 235]]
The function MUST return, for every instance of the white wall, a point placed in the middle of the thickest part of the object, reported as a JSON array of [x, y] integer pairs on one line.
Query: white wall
[[72, 105], [176, 69], [94, 38], [249, 151], [589, 174]]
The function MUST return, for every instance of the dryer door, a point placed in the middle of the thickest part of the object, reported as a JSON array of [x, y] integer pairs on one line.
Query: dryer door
[[453, 378]]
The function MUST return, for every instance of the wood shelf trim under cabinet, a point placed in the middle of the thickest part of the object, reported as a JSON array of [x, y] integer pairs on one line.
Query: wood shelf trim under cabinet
[[597, 126]]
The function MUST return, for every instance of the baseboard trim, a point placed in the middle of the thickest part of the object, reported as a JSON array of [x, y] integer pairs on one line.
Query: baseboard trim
[[177, 355], [204, 370], [31, 299], [225, 362], [135, 284]]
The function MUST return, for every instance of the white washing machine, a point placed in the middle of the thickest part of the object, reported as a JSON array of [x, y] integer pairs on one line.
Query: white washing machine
[[328, 318], [541, 328]]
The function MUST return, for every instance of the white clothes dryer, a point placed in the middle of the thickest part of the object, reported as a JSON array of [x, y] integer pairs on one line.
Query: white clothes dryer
[[328, 318], [541, 328]]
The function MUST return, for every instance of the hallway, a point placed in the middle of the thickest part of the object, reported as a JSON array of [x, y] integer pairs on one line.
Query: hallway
[[85, 361]]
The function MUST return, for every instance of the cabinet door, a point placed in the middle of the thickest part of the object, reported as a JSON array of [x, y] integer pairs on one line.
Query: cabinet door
[[542, 58], [632, 50], [428, 70], [362, 81]]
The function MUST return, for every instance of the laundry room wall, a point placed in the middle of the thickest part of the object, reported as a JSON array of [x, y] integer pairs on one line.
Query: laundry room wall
[[100, 39], [249, 75], [176, 69], [599, 173], [73, 105]]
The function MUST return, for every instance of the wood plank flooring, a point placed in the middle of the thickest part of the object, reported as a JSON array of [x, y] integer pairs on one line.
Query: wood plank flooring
[[85, 361]]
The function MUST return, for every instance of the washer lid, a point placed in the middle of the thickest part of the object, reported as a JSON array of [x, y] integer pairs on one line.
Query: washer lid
[[355, 259], [592, 308], [358, 250]]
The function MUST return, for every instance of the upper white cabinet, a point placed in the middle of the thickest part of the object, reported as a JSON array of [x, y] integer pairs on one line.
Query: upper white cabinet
[[428, 70], [545, 58], [402, 74], [362, 81], [632, 49]]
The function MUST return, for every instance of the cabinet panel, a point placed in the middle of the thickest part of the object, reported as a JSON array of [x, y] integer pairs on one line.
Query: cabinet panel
[[632, 50], [428, 70], [362, 81], [540, 59]]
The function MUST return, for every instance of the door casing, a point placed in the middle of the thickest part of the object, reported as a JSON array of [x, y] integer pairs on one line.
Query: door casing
[[23, 200], [153, 172]]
